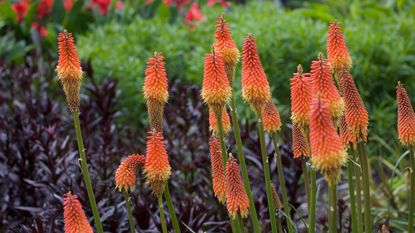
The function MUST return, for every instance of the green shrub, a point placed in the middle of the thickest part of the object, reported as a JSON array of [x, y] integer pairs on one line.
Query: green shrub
[[381, 43]]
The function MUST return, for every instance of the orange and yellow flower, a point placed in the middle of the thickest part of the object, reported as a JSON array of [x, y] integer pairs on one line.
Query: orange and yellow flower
[[236, 197], [157, 167], [337, 52], [155, 90], [406, 117], [74, 217], [225, 45], [69, 70], [356, 116], [255, 87], [300, 97], [346, 134], [271, 118], [216, 90], [327, 152], [301, 147], [226, 122], [125, 176], [323, 85], [218, 170]]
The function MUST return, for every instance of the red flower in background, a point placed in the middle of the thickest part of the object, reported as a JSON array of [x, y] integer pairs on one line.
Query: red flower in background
[[179, 4], [103, 6], [21, 9], [68, 4], [221, 2], [40, 29], [44, 8], [194, 15]]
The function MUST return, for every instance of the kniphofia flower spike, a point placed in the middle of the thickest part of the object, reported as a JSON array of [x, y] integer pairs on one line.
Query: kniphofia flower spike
[[301, 147], [406, 117], [218, 170], [300, 85], [271, 118], [236, 197], [125, 176], [74, 217], [337, 52]]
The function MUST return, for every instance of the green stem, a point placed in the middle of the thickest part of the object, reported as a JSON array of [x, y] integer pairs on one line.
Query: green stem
[[279, 224], [351, 192], [332, 208], [306, 181], [241, 223], [130, 216], [267, 175], [358, 177], [281, 180], [162, 218], [366, 186], [411, 195], [85, 173], [170, 207], [242, 163], [313, 198]]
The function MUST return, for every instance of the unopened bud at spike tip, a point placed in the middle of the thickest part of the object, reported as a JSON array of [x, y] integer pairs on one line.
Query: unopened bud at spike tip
[[74, 216], [236, 198], [300, 91], [218, 170], [271, 118]]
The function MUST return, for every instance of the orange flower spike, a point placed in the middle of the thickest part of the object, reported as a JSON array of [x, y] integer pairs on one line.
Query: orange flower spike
[[74, 217], [337, 52], [226, 122], [346, 134], [216, 90], [218, 171], [156, 168], [300, 85], [255, 86], [271, 118], [406, 117], [69, 70], [236, 197], [356, 116], [225, 45], [327, 152], [301, 147], [125, 176], [323, 84]]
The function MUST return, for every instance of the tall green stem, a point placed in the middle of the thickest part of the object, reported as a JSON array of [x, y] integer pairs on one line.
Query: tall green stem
[[352, 195], [170, 207], [412, 194], [85, 172], [366, 186], [130, 216], [241, 223], [306, 181], [281, 180], [313, 199], [162, 217], [358, 174], [332, 208], [267, 175], [241, 158]]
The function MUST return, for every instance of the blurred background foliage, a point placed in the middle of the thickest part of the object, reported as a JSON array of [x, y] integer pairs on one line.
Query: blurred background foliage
[[115, 38]]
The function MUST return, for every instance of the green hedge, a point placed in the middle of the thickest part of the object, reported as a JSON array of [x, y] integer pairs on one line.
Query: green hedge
[[381, 42]]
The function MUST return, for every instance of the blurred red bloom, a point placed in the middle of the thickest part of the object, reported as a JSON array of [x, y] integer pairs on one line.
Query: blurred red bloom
[[44, 8], [103, 6], [194, 15], [119, 5], [21, 9], [221, 2], [67, 4], [148, 1], [40, 29], [179, 4]]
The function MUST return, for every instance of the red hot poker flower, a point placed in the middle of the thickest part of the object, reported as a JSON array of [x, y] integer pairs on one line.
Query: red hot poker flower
[[271, 118], [255, 86], [125, 176], [74, 217], [236, 197], [337, 52], [226, 122], [157, 167], [218, 171], [301, 147], [323, 85], [406, 117], [300, 97], [327, 152], [346, 134]]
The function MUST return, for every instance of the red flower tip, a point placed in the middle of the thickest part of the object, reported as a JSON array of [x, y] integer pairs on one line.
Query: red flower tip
[[327, 152], [69, 66], [74, 217], [323, 85], [300, 85], [406, 117], [20, 8], [157, 167], [193, 15], [337, 52], [226, 122], [224, 43], [125, 176], [236, 197], [255, 86], [301, 147], [356, 116], [218, 170], [155, 82], [271, 118]]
